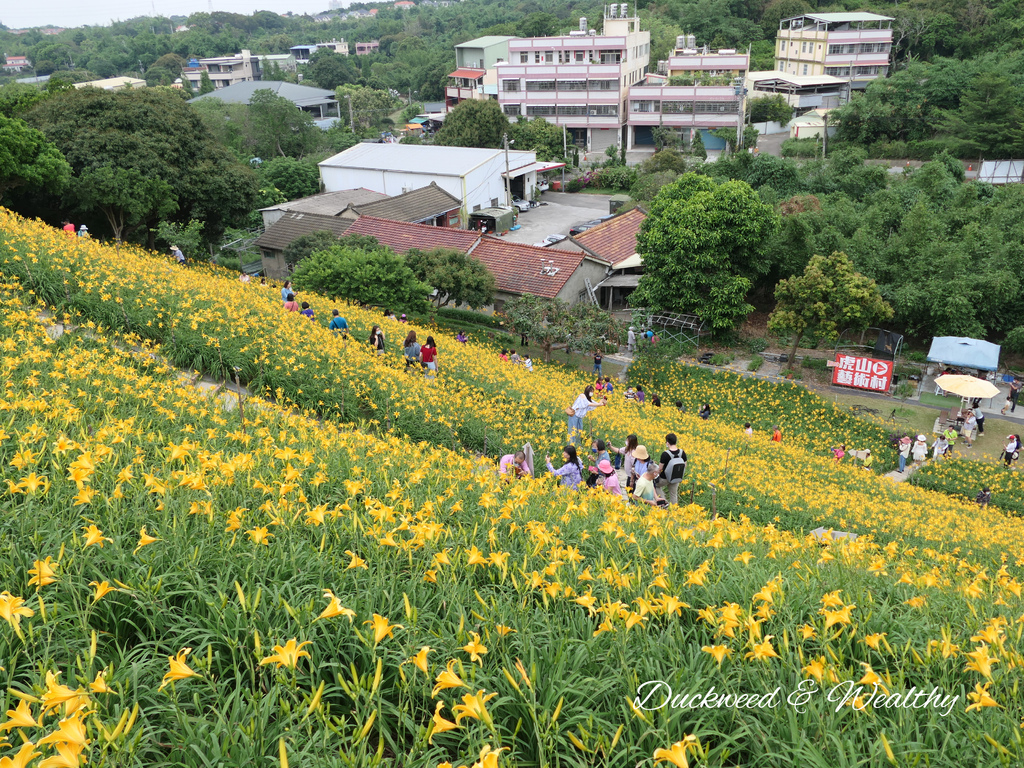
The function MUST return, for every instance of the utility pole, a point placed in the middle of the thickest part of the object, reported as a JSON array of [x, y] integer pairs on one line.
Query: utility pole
[[351, 117], [565, 155], [508, 181]]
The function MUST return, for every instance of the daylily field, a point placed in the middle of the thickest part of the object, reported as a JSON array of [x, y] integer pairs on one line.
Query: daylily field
[[341, 579]]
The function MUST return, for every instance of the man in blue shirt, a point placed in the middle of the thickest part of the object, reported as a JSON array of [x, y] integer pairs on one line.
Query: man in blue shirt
[[339, 323]]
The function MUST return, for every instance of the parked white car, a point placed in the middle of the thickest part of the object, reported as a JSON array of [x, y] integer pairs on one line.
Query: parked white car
[[550, 240]]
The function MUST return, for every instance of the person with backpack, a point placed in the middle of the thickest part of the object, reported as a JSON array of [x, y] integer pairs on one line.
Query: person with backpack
[[671, 468], [411, 349], [338, 324]]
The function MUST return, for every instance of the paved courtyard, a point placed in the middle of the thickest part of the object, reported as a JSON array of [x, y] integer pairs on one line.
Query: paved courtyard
[[562, 211]]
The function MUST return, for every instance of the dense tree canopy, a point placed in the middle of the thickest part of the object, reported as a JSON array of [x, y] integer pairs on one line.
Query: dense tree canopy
[[456, 277], [473, 123], [369, 276], [155, 135], [703, 244], [28, 159]]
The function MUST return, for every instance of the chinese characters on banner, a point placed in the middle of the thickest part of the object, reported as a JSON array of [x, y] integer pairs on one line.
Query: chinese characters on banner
[[862, 372]]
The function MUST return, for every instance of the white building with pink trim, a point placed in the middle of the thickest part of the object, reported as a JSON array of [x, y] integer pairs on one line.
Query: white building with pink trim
[[852, 46]]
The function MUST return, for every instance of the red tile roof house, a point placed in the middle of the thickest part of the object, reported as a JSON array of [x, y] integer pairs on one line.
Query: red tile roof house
[[614, 241], [517, 268]]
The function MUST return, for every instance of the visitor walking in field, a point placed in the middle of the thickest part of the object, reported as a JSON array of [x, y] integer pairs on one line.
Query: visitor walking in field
[[338, 324], [285, 290], [428, 356], [969, 428], [377, 339], [626, 456], [776, 434], [178, 255], [671, 468], [905, 443], [920, 450], [597, 363], [705, 411], [641, 463], [984, 497], [291, 304], [306, 311], [609, 478], [411, 350], [570, 474], [631, 340], [583, 405]]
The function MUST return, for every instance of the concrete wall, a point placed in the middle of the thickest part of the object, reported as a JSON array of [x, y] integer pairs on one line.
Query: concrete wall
[[274, 265], [578, 282], [767, 129], [478, 188]]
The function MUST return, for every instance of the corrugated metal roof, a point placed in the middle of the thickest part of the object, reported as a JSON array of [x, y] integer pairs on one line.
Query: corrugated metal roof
[[293, 225], [241, 93], [411, 158], [468, 72], [329, 203], [842, 18], [417, 205], [486, 41]]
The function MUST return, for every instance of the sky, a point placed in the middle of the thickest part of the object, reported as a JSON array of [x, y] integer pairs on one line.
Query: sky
[[75, 13]]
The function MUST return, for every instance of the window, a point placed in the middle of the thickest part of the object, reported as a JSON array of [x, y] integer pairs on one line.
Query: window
[[579, 57], [611, 57], [805, 69], [572, 85], [803, 47], [867, 48], [475, 209], [510, 85], [645, 106], [549, 57], [539, 110], [716, 107], [494, 202], [571, 110], [540, 85], [513, 110], [537, 57], [604, 110], [602, 85], [677, 107], [524, 58], [865, 71], [837, 71]]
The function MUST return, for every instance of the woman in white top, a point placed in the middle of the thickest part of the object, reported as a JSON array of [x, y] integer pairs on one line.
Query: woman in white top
[[969, 428], [584, 404], [920, 450]]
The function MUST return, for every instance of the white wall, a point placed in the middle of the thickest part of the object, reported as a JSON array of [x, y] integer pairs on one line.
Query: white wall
[[771, 127], [479, 187]]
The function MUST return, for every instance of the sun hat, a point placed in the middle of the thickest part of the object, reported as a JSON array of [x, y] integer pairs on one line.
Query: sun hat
[[174, 247], [605, 466], [920, 437], [640, 452], [905, 439]]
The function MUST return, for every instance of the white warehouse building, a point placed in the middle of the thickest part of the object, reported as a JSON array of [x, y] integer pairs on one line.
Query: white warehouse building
[[476, 177]]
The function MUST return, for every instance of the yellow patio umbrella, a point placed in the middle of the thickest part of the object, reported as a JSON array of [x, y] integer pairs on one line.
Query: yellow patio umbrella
[[967, 386]]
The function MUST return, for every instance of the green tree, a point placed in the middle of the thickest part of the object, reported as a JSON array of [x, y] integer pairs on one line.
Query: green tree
[[294, 178], [125, 196], [377, 277], [703, 244], [456, 277], [697, 146], [371, 107], [547, 322], [301, 247], [989, 119], [828, 298], [153, 131], [27, 159], [769, 109], [278, 127], [329, 69], [205, 84], [473, 123], [18, 98]]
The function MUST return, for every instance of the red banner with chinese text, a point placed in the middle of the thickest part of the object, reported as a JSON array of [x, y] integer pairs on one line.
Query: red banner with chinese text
[[862, 373]]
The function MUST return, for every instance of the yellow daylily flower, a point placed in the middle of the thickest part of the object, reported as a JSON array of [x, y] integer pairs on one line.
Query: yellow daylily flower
[[381, 628], [288, 655], [179, 669]]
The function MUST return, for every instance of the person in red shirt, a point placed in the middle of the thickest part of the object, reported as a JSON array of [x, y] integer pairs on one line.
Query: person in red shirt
[[776, 434], [69, 228], [428, 354]]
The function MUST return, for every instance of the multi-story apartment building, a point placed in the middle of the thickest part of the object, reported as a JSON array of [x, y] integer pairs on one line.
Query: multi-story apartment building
[[852, 46], [364, 49], [303, 52], [579, 81], [475, 76], [704, 91], [224, 70]]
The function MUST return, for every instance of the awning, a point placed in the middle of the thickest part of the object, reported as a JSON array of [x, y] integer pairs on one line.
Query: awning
[[964, 352], [469, 74], [515, 173], [620, 281], [630, 262]]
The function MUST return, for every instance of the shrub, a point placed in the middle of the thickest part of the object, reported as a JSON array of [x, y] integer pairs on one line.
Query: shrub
[[755, 363], [916, 357], [757, 344], [800, 148], [721, 358], [575, 185], [468, 316], [815, 363]]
